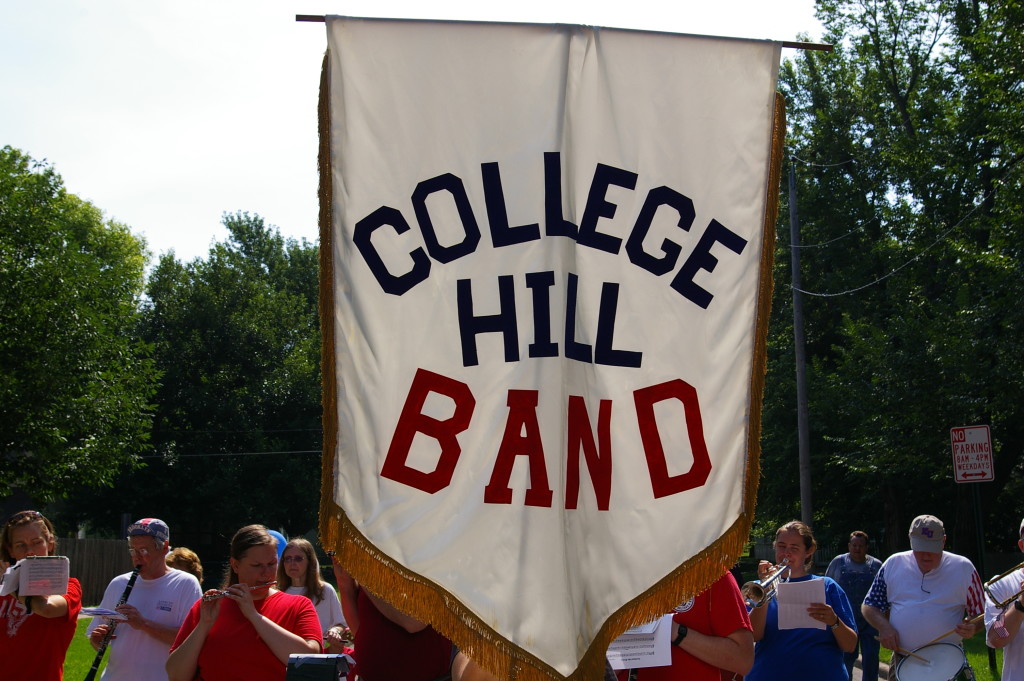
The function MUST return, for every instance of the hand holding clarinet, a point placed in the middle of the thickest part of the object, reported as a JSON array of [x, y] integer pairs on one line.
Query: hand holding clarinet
[[103, 634]]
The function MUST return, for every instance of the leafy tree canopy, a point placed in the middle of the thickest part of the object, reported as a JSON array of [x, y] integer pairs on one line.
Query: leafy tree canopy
[[75, 384], [236, 431], [907, 145]]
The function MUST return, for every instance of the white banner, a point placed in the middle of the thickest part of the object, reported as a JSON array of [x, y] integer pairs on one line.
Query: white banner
[[549, 304]]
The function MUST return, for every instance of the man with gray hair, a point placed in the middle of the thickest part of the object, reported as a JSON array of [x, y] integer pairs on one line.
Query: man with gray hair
[[922, 596], [154, 610], [1003, 624]]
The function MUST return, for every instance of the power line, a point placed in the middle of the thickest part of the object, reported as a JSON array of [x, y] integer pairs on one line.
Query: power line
[[941, 238], [220, 454]]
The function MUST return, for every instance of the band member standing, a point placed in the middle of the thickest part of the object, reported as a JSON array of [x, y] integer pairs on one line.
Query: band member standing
[[1003, 624], [35, 631], [817, 652], [855, 571], [249, 629], [920, 594], [156, 607]]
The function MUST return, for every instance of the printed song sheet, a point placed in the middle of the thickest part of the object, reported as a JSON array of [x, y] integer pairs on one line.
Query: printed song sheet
[[648, 645], [794, 599]]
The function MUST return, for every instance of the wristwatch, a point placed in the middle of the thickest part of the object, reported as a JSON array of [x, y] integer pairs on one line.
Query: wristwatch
[[833, 626], [1017, 606], [683, 631]]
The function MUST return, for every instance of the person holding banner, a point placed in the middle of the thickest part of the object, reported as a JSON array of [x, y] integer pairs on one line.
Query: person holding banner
[[818, 652], [392, 645], [388, 643], [248, 629], [711, 633], [35, 631]]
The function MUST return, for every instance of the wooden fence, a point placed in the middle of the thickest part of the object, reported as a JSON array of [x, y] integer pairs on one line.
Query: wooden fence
[[94, 562]]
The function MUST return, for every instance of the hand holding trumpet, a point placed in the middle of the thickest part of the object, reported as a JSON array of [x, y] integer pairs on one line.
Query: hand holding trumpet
[[757, 594]]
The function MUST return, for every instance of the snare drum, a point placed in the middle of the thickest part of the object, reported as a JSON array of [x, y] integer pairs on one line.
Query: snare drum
[[945, 662]]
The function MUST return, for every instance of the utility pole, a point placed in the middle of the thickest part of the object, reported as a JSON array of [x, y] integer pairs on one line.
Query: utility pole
[[803, 431]]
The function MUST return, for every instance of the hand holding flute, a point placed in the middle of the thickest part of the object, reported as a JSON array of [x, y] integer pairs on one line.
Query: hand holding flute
[[214, 594]]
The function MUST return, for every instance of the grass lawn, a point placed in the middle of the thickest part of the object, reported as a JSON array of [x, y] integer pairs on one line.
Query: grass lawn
[[81, 654], [977, 657]]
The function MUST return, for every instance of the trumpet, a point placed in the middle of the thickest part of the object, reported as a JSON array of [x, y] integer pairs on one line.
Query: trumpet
[[757, 594], [222, 593], [1017, 591]]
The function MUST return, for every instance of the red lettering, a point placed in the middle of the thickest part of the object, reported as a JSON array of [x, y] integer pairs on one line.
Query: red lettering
[[662, 483], [413, 420], [598, 455], [522, 416]]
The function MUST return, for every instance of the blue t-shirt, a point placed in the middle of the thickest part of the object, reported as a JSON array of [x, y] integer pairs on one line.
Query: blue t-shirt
[[785, 654]]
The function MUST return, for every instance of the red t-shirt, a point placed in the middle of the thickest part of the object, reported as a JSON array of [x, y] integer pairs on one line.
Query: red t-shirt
[[385, 651], [719, 611], [33, 647], [233, 651]]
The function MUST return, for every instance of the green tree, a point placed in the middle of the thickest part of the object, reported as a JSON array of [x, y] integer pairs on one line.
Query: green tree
[[237, 425], [908, 142], [75, 382]]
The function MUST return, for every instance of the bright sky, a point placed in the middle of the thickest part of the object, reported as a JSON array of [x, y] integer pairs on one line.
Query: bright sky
[[166, 115]]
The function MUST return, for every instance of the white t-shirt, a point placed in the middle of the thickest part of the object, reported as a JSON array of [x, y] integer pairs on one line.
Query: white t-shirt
[[135, 655], [1013, 653], [328, 610], [924, 606]]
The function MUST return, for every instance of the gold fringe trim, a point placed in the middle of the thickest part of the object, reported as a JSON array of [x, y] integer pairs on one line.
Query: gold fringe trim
[[328, 367], [429, 602]]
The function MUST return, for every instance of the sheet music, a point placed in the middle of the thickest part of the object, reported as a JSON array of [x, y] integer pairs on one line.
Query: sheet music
[[649, 645], [9, 582], [793, 600], [37, 576]]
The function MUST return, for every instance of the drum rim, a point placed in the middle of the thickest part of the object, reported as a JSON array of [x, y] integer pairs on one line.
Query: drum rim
[[964, 663]]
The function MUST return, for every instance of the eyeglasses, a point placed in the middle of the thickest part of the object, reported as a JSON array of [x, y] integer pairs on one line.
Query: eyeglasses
[[139, 552], [23, 517], [293, 559]]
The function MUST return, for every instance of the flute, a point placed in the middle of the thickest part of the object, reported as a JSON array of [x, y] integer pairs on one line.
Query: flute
[[221, 594]]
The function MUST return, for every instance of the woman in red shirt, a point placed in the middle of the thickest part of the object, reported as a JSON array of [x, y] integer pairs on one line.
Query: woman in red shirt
[[248, 633]]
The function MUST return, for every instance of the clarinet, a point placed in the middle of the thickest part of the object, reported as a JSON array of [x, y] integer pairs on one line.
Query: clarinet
[[111, 626]]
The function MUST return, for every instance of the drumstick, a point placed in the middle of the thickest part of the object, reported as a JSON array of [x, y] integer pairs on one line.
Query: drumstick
[[973, 620], [904, 651]]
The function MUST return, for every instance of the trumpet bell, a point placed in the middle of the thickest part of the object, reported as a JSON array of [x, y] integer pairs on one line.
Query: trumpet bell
[[756, 594]]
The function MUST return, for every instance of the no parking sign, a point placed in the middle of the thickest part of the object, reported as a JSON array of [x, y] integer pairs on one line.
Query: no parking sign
[[972, 454]]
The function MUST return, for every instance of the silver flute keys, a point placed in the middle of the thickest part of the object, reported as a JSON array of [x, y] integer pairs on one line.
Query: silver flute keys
[[221, 594]]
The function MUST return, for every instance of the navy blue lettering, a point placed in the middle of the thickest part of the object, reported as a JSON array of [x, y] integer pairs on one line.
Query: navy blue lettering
[[598, 207], [604, 353], [362, 237], [540, 284], [659, 196], [701, 259], [504, 322], [453, 185], [497, 213], [581, 352], [555, 223]]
